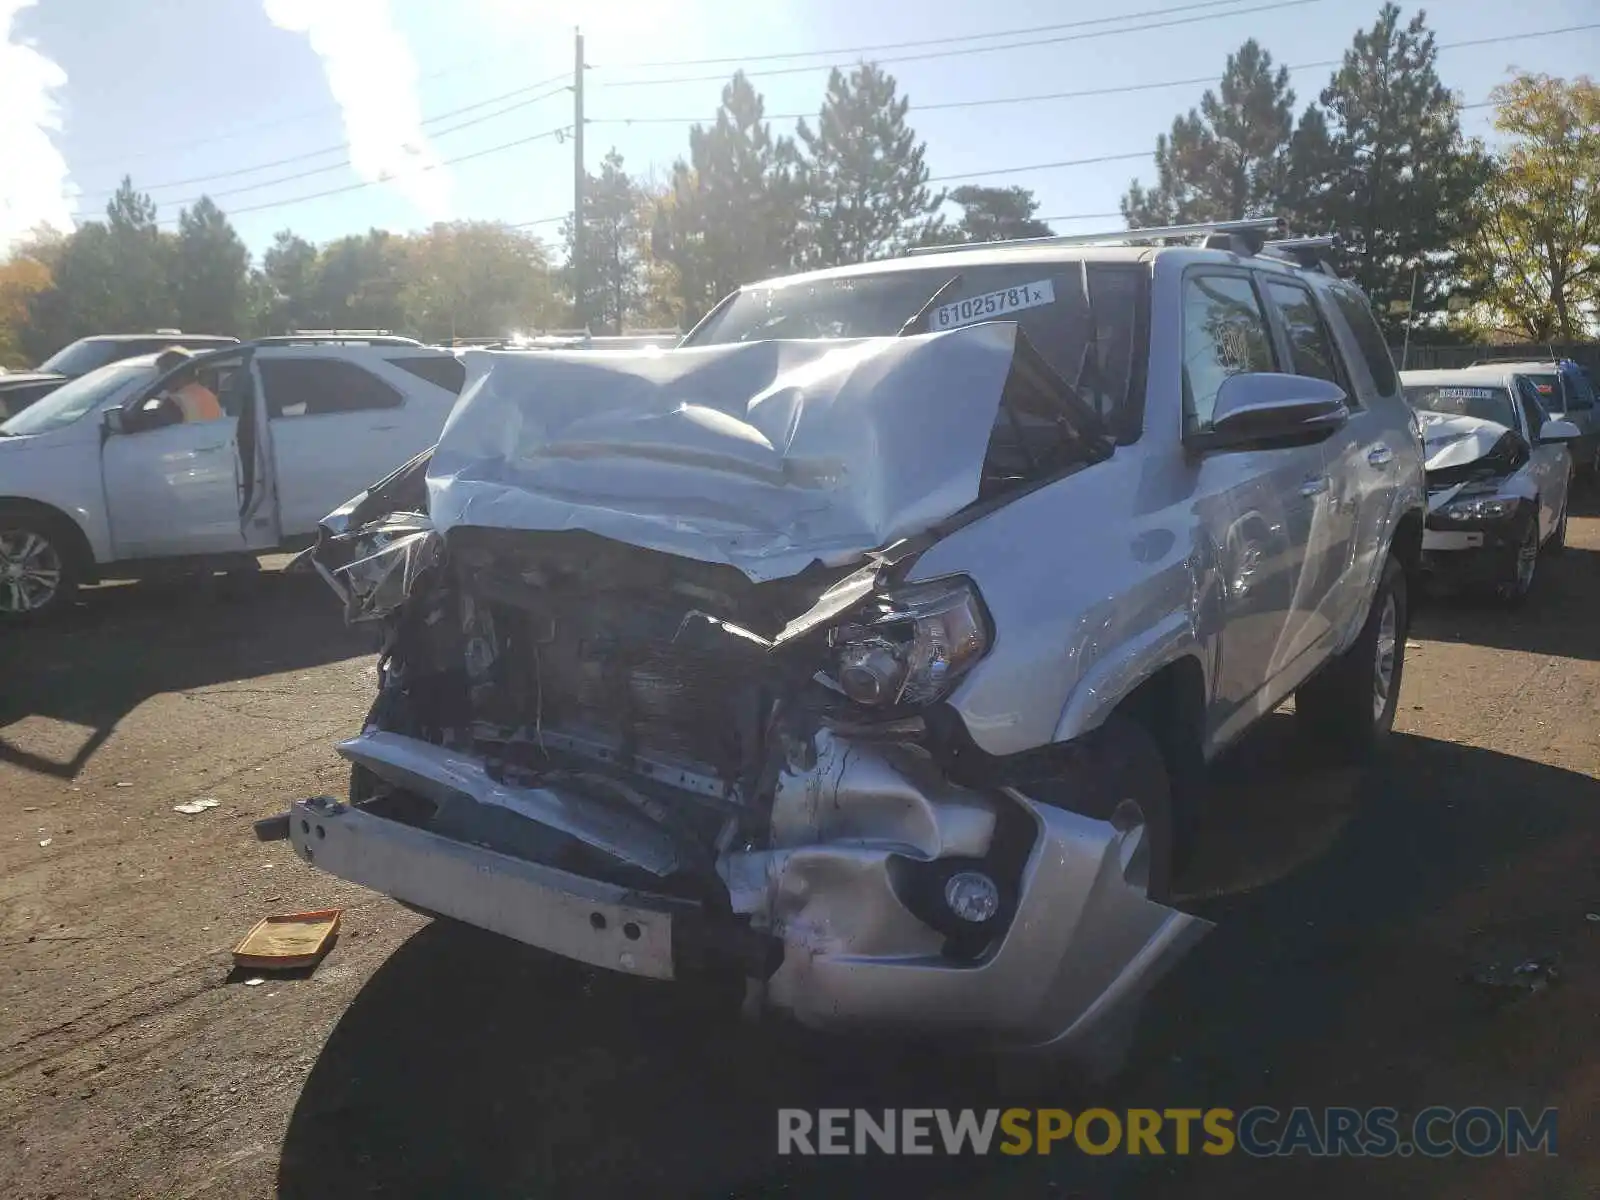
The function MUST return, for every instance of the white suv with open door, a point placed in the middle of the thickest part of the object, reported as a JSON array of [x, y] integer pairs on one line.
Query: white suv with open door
[[105, 478]]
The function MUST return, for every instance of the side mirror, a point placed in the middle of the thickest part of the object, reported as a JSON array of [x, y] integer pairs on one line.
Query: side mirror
[[1261, 411], [114, 421], [1558, 431]]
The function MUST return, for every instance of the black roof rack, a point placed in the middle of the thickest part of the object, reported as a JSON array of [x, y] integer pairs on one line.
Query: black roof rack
[[1312, 253]]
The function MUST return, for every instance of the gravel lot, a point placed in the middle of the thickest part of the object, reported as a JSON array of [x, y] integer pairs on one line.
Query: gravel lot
[[422, 1060]]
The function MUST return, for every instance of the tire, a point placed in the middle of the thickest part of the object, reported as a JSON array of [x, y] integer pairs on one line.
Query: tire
[[39, 567], [1348, 707], [1523, 567], [1558, 539]]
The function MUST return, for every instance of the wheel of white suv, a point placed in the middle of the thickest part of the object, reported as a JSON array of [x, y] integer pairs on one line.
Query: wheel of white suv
[[1523, 565], [1558, 539], [38, 573], [1348, 707]]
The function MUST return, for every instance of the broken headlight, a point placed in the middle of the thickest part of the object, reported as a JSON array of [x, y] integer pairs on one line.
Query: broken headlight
[[910, 645], [1486, 508]]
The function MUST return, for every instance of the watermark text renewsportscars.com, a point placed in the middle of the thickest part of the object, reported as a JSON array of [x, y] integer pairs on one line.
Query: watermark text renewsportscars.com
[[1259, 1131]]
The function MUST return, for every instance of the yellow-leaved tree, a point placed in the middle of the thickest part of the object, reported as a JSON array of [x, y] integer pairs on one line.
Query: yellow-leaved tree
[[1534, 259]]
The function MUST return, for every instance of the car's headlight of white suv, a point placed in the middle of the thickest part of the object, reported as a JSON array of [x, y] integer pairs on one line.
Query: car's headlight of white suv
[[910, 645], [1483, 508]]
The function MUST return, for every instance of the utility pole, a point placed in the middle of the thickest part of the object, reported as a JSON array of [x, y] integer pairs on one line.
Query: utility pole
[[580, 308]]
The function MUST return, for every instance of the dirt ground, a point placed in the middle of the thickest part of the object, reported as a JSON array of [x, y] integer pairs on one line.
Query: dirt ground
[[421, 1060]]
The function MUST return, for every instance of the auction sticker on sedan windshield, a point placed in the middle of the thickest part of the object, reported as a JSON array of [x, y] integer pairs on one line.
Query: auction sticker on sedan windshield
[[992, 304]]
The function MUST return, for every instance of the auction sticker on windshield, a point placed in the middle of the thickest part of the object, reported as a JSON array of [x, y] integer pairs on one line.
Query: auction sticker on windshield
[[991, 305], [1466, 393]]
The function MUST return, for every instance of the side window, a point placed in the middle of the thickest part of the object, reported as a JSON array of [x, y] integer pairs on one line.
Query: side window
[[1533, 411], [1224, 333], [440, 370], [1580, 396], [1357, 314], [317, 387], [1311, 349]]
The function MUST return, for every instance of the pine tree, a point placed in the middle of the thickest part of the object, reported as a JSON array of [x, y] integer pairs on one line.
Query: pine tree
[[733, 210], [991, 214], [212, 271], [614, 237], [1397, 178], [1228, 160], [866, 193], [137, 293]]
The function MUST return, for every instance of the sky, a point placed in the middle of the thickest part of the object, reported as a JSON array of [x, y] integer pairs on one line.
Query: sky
[[412, 111]]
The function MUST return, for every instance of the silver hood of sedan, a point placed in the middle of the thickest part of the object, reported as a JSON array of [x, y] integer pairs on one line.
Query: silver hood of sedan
[[765, 456], [1455, 441]]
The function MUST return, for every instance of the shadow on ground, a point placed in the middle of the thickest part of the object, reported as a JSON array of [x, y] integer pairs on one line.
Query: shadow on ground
[[473, 1066], [123, 644], [1559, 617]]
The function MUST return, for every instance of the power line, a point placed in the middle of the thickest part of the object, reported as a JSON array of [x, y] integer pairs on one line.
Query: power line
[[1066, 162], [366, 183], [944, 41], [291, 119], [1084, 93], [341, 148], [970, 50]]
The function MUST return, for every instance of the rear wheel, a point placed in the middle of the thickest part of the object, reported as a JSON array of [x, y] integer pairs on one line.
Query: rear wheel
[[38, 572], [1348, 707]]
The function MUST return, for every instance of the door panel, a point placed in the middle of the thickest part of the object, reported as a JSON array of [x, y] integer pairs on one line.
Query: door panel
[[173, 490], [1257, 507], [335, 427], [172, 486]]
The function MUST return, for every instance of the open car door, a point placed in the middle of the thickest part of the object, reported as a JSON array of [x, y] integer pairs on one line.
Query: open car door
[[175, 483], [259, 523]]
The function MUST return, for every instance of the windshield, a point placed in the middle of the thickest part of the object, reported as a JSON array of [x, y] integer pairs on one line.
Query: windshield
[[72, 400], [81, 357], [1485, 403], [1045, 299]]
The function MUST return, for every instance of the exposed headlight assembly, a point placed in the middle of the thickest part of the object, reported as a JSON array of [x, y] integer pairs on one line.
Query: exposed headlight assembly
[[1487, 508], [911, 645]]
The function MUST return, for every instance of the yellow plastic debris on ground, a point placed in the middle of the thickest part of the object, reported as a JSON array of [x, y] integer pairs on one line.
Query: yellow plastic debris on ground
[[288, 942]]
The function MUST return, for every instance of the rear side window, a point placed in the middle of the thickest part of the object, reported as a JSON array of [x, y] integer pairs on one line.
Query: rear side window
[[1224, 334], [1310, 348], [1357, 314], [439, 370], [1580, 394], [311, 387]]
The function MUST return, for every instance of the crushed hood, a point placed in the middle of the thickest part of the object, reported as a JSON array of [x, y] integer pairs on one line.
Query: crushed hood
[[765, 456], [1455, 441]]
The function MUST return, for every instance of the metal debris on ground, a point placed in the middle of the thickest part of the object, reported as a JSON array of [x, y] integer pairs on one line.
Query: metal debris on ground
[[1530, 975], [45, 841], [195, 806], [256, 982]]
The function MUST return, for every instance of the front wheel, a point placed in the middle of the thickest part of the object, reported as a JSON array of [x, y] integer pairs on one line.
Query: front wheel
[[1524, 564], [38, 576], [1348, 707]]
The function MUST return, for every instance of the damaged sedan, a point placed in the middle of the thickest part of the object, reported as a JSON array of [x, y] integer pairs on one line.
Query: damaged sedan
[[862, 652], [1499, 474]]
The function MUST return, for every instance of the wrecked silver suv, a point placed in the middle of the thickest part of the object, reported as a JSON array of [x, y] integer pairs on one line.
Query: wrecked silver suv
[[865, 649]]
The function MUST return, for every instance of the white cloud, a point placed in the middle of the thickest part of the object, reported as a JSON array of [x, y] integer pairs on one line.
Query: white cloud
[[34, 188], [373, 77]]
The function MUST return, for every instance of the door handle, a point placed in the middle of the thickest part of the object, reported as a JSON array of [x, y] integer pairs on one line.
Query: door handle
[[207, 449], [1380, 456], [1314, 486], [384, 428]]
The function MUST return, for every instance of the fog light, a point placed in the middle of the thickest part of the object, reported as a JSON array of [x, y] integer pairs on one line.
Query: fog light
[[972, 896]]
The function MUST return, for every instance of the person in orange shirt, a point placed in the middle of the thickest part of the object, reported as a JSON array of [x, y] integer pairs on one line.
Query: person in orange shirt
[[198, 402]]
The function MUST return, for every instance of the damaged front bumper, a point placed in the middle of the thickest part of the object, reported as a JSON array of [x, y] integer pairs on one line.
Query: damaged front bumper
[[836, 922]]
